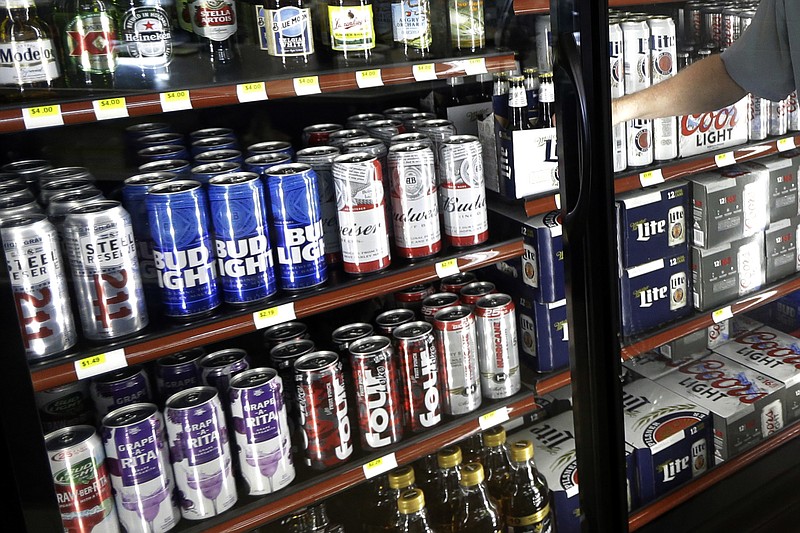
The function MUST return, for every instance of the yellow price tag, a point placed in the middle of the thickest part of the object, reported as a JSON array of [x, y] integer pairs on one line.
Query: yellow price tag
[[424, 72], [274, 315], [92, 361], [498, 416], [721, 315], [100, 364], [369, 78], [306, 85], [176, 101], [379, 466], [786, 144], [723, 160], [110, 108], [42, 116], [447, 267], [476, 65], [651, 177], [44, 111], [251, 92]]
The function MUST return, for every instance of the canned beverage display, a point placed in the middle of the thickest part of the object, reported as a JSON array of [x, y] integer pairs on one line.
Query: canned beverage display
[[390, 320], [241, 235], [462, 192], [283, 332], [39, 288], [361, 205], [419, 372], [181, 167], [457, 349], [80, 477], [203, 172], [218, 368], [118, 388], [471, 293], [320, 159], [378, 393], [455, 282], [200, 452], [261, 430], [101, 247], [183, 253], [498, 354], [324, 420], [178, 372], [65, 405], [272, 147], [436, 302], [260, 163], [318, 134], [297, 221], [137, 455], [412, 297]]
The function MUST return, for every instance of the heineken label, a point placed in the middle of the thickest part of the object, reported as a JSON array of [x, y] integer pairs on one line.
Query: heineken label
[[288, 31], [90, 43], [214, 19], [147, 36], [24, 62]]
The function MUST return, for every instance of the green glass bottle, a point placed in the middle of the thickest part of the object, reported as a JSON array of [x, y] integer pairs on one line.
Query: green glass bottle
[[88, 31]]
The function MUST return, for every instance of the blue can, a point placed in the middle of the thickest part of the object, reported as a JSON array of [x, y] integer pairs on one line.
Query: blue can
[[259, 163], [181, 167], [212, 132], [207, 144], [297, 220], [219, 156], [162, 151], [241, 235], [156, 139], [271, 147], [203, 173], [182, 250]]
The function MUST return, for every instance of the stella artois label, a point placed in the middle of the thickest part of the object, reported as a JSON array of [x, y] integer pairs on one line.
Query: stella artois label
[[214, 19]]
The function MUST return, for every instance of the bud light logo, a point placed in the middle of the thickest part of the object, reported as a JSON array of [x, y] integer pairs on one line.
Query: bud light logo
[[184, 269], [244, 257], [301, 244]]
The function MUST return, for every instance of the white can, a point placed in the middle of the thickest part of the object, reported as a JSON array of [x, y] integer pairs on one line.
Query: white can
[[792, 112], [757, 118], [778, 124], [617, 68], [639, 142], [636, 53], [663, 66]]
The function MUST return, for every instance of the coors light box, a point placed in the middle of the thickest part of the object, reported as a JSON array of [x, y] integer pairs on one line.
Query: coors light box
[[706, 132]]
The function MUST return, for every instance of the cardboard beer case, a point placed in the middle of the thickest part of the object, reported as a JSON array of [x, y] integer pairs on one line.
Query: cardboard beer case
[[653, 365], [543, 334], [783, 193], [780, 249], [722, 274], [715, 130]]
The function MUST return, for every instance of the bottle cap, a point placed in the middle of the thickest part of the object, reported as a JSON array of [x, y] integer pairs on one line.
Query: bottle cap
[[411, 501], [521, 451], [449, 457], [402, 477], [471, 474], [530, 70], [495, 436]]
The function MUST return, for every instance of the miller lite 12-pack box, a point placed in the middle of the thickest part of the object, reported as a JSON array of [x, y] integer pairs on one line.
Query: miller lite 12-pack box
[[544, 334]]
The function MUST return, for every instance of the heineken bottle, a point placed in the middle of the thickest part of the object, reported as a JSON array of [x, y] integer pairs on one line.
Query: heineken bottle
[[88, 31]]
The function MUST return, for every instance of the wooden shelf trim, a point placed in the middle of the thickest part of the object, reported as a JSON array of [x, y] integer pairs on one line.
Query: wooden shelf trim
[[552, 383]]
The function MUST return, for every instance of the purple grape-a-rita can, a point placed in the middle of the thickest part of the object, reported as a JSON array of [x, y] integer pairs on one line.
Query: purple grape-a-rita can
[[261, 429], [217, 368], [182, 249], [178, 372], [241, 235], [272, 147], [181, 167], [200, 452], [137, 458], [118, 388], [204, 172], [260, 163], [296, 216]]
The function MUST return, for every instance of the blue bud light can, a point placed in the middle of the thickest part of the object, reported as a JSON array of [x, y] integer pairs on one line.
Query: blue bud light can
[[203, 173], [271, 147], [181, 167], [219, 156], [162, 151], [297, 221], [182, 250], [259, 163], [158, 139], [212, 132], [241, 235], [207, 144]]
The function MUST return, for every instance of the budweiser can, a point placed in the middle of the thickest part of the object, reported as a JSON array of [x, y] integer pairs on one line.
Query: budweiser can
[[385, 129], [792, 112], [200, 452], [360, 120], [438, 130], [80, 476], [389, 320], [436, 302], [498, 355], [283, 332], [65, 405], [419, 371], [374, 147], [212, 132], [415, 209], [455, 282], [711, 16], [470, 294], [272, 147], [320, 159], [177, 372], [101, 247], [261, 429], [217, 368], [378, 394], [318, 134], [663, 66], [361, 207], [118, 388], [413, 121], [209, 144], [38, 285], [337, 138], [778, 124], [137, 455], [617, 59], [411, 137], [462, 192], [412, 297], [342, 337], [757, 117], [457, 349], [324, 420]]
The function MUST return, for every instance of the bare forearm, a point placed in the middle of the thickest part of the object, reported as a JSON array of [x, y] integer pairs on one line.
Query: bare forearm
[[704, 86]]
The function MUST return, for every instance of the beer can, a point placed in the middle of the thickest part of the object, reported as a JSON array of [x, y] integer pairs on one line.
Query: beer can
[[282, 358], [62, 173], [390, 320], [297, 221], [63, 202], [11, 207], [778, 123], [455, 282], [324, 421], [51, 188], [65, 405], [261, 430], [241, 235], [343, 336], [470, 294], [181, 167], [639, 141], [162, 151], [218, 368], [663, 66], [137, 131], [436, 302], [384, 129], [731, 25], [16, 189], [617, 60], [38, 285], [183, 253], [462, 192], [399, 112], [80, 477], [792, 112], [694, 22], [284, 332], [260, 163], [272, 147], [412, 297], [372, 146], [9, 177], [413, 120], [419, 372], [438, 130], [214, 131], [338, 138], [378, 394], [359, 120], [636, 54], [415, 209], [318, 134], [711, 16], [699, 457], [101, 247], [320, 159], [411, 137], [28, 170], [361, 206], [457, 349], [219, 156], [207, 144], [544, 43], [137, 455], [200, 452], [159, 138], [498, 355], [177, 372], [118, 388], [757, 118]]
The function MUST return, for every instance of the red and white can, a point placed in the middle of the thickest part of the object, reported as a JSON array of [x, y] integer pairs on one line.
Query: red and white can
[[498, 355], [436, 302], [412, 297], [419, 369], [390, 320], [361, 206], [455, 282], [457, 349], [318, 134], [462, 191], [470, 294], [343, 336]]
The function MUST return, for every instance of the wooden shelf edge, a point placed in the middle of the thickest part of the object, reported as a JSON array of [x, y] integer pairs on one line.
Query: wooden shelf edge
[[553, 383]]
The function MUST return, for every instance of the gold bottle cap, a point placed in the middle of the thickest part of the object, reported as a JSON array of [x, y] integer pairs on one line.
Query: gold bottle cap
[[495, 436], [402, 477], [471, 474], [411, 501], [449, 457], [548, 75], [521, 451]]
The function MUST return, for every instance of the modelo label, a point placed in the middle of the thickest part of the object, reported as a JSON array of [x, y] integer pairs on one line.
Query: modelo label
[[147, 35], [25, 62], [214, 19], [185, 269], [288, 32]]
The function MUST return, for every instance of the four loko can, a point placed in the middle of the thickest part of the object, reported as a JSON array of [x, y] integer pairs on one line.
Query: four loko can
[[261, 430], [456, 346], [182, 248], [218, 368], [379, 398], [419, 371], [390, 320], [343, 336], [462, 192], [241, 235], [324, 420], [35, 272], [118, 388], [320, 159], [297, 221], [498, 355], [200, 452], [101, 247], [178, 372], [283, 332], [138, 463], [436, 302], [83, 488]]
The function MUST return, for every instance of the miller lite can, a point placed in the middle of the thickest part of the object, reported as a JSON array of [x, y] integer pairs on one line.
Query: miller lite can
[[663, 66], [457, 349], [419, 372], [320, 159], [699, 456], [462, 191], [498, 354], [637, 76]]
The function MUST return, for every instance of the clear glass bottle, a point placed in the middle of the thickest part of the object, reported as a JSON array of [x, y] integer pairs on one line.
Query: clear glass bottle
[[413, 515], [467, 31], [411, 26], [444, 499], [517, 104], [351, 27], [547, 98], [28, 59], [475, 512], [88, 30], [495, 462], [526, 498]]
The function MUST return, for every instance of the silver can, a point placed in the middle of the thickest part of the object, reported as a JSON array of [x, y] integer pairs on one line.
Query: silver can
[[390, 320], [636, 54], [792, 112], [38, 285], [411, 137], [385, 129], [61, 203], [438, 130], [663, 66], [757, 118], [343, 336], [731, 25], [778, 123], [338, 138], [65, 405], [28, 169], [711, 16], [62, 173], [18, 205], [462, 191], [498, 354], [51, 188], [616, 57], [639, 138], [359, 121], [413, 121], [320, 158], [457, 349]]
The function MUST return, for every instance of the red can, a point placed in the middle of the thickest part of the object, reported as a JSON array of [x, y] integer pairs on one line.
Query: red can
[[378, 393], [419, 369], [412, 297], [318, 134], [456, 282], [462, 191], [321, 396], [344, 336], [436, 302], [390, 320], [470, 294]]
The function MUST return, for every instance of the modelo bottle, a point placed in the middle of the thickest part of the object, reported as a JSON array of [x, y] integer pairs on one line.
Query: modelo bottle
[[88, 30], [145, 42], [28, 57]]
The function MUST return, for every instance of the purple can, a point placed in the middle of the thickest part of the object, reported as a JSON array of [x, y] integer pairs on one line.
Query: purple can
[[219, 156], [138, 464], [181, 167], [271, 147], [217, 368], [177, 372], [207, 144], [203, 173], [261, 429], [260, 163], [182, 250], [200, 452], [284, 332], [162, 151], [119, 388]]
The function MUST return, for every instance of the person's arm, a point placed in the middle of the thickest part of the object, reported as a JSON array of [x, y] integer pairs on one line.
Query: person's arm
[[703, 86]]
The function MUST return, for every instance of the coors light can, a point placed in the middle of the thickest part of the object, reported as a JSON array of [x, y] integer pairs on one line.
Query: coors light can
[[456, 346], [419, 369], [462, 191]]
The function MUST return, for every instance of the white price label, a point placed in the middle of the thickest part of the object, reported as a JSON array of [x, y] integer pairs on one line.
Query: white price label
[[446, 268], [42, 116], [557, 200], [474, 66], [720, 315], [723, 160], [100, 363], [175, 101], [274, 315], [651, 177], [424, 72], [498, 416], [306, 85], [251, 92], [786, 144], [369, 78], [110, 108], [379, 466]]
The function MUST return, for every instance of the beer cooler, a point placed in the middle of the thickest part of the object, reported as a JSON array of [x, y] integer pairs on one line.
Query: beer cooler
[[621, 297]]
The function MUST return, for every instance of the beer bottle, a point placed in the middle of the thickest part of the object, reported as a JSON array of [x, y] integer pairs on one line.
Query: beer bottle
[[373, 516], [413, 515], [517, 105], [471, 449], [400, 480], [27, 54], [88, 30], [427, 469], [547, 98], [444, 499], [289, 31], [532, 92], [526, 498], [475, 512], [215, 23], [351, 27], [467, 32], [145, 41], [411, 26], [500, 98], [495, 462]]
